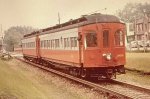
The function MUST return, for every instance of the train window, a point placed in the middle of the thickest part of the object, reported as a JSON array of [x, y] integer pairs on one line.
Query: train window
[[27, 45], [47, 44], [64, 42], [56, 43], [61, 40], [51, 44], [119, 38], [33, 44], [91, 39], [105, 38], [73, 41], [44, 44], [41, 44], [30, 44], [67, 42]]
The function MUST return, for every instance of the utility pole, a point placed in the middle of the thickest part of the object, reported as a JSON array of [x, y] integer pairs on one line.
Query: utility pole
[[58, 18], [2, 37], [145, 23]]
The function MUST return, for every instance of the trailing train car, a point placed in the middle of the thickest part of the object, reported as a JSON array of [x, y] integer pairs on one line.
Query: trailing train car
[[90, 46], [29, 47]]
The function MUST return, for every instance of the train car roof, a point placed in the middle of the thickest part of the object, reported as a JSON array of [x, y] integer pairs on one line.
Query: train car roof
[[84, 20]]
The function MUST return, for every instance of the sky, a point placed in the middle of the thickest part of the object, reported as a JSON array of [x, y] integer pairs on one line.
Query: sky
[[44, 13]]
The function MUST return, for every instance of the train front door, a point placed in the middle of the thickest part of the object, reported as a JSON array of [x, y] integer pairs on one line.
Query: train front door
[[106, 46], [106, 40]]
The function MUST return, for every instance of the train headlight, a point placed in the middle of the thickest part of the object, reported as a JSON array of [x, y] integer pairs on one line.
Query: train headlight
[[108, 56]]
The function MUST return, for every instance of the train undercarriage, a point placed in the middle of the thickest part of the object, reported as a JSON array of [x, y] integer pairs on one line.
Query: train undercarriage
[[99, 73]]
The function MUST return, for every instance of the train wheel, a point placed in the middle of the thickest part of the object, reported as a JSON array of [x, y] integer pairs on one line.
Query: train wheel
[[70, 71], [109, 75], [74, 72], [83, 73]]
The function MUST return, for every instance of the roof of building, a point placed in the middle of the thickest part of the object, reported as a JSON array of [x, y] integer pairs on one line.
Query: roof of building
[[143, 19]]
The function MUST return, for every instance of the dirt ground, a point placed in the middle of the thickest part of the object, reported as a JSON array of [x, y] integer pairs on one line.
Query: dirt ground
[[21, 81]]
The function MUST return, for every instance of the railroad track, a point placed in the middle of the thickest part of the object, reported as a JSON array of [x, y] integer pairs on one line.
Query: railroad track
[[111, 89], [136, 92]]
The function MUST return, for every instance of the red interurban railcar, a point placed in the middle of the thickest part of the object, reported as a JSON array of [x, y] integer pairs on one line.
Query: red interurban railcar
[[90, 46]]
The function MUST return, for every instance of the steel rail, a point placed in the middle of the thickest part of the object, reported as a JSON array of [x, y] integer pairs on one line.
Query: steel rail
[[136, 87]]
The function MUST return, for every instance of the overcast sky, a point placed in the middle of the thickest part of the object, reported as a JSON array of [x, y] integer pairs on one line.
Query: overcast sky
[[44, 13]]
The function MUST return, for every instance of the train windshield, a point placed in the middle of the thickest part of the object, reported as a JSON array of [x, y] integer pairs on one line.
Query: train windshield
[[119, 38], [91, 39]]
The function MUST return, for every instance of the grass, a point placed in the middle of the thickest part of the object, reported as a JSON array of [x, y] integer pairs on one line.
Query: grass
[[22, 81], [138, 61], [14, 83], [135, 78]]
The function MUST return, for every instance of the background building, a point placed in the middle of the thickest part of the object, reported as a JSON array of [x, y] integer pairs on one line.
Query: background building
[[130, 32], [142, 28]]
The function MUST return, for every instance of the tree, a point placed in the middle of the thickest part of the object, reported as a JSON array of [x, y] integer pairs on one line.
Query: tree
[[132, 11], [14, 35]]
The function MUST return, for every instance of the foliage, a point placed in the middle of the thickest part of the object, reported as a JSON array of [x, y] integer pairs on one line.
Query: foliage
[[5, 56], [14, 35], [133, 10]]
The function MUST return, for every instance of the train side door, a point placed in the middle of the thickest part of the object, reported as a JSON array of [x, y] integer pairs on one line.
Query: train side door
[[91, 49]]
